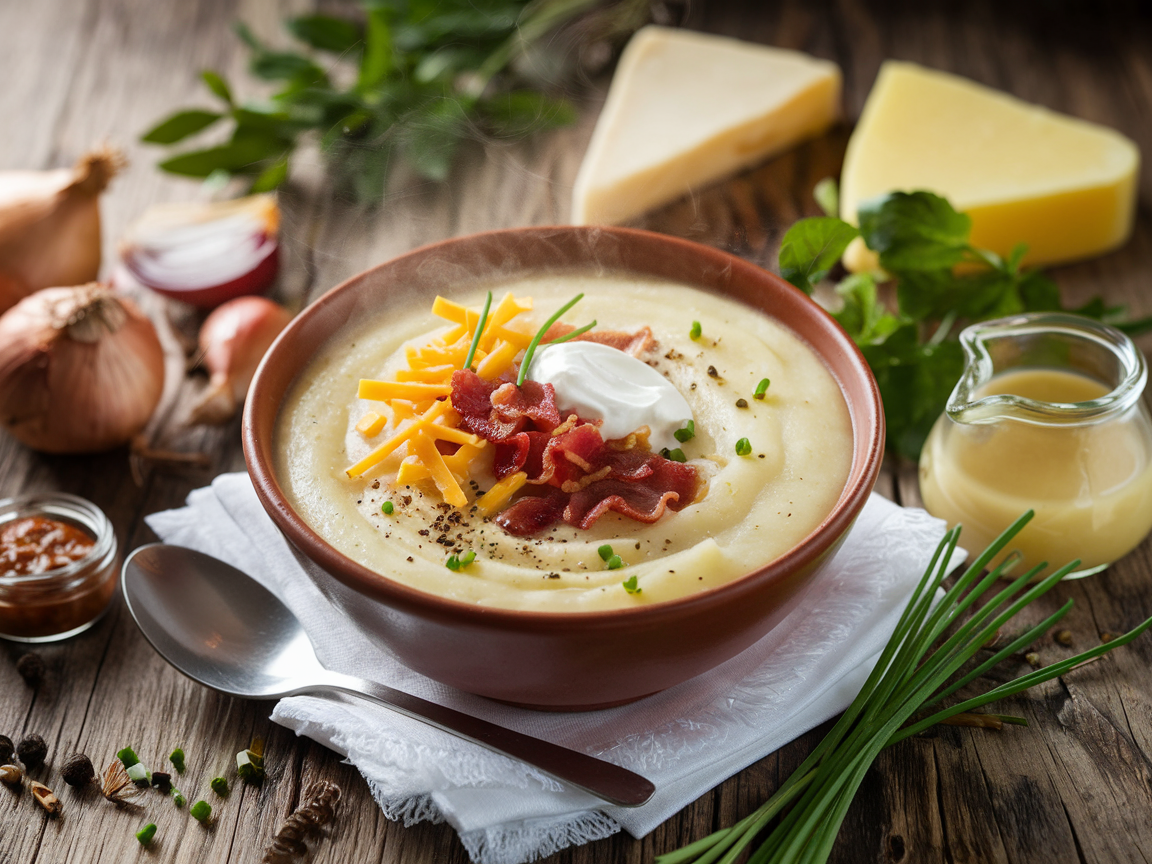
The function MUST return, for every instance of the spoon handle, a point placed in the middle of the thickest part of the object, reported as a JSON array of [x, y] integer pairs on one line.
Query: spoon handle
[[603, 779]]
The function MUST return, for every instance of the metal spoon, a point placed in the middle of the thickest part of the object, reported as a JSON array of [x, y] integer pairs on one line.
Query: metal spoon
[[225, 630]]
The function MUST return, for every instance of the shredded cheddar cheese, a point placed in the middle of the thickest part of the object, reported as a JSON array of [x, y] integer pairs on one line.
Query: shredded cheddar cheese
[[421, 406]]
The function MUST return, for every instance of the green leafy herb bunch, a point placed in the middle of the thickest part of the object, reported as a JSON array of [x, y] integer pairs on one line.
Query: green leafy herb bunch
[[408, 80], [941, 281]]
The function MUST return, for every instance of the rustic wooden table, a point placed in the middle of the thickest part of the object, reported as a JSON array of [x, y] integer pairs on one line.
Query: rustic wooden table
[[1076, 785]]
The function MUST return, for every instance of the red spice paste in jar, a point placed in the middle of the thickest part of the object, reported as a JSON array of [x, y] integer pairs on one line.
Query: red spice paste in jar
[[37, 544]]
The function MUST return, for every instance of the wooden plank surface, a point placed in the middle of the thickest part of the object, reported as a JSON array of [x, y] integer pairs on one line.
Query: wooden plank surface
[[1076, 785]]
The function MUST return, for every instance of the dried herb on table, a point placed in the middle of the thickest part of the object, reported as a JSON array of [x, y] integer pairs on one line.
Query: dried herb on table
[[32, 750], [420, 77], [46, 798], [118, 786], [31, 669], [77, 770], [914, 352], [317, 810]]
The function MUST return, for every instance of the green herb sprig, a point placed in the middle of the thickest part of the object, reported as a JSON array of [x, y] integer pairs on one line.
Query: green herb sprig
[[917, 670], [914, 352], [403, 81]]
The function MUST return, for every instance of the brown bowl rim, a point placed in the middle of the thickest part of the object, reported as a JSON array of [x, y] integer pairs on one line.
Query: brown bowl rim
[[430, 606]]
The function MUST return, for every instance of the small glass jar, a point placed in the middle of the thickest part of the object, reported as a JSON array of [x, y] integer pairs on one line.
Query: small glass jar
[[1047, 416], [66, 600]]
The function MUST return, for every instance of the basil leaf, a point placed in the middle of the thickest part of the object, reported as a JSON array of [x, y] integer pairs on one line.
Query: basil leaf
[[217, 85], [179, 126], [811, 248], [325, 32], [914, 231]]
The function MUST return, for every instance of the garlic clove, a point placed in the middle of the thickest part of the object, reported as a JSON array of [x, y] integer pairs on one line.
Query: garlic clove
[[234, 339], [50, 225], [81, 369], [205, 253]]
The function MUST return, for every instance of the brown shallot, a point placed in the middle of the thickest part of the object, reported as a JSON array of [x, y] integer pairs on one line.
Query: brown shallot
[[233, 339], [81, 369], [50, 225], [205, 253]]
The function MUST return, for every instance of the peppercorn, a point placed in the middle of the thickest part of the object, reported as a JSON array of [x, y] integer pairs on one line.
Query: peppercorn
[[31, 669], [32, 750], [46, 798], [77, 770], [7, 750], [162, 781]]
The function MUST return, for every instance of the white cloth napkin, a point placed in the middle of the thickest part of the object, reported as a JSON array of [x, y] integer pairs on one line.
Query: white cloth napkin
[[686, 739]]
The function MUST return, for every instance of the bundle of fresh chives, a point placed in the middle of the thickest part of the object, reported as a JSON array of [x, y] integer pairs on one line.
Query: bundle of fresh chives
[[932, 641]]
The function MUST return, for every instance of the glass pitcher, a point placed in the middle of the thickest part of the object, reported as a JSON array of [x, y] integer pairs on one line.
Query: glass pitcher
[[1048, 415]]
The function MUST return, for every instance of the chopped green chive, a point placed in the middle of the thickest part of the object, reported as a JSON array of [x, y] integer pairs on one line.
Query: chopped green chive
[[459, 563], [761, 389], [676, 455], [145, 834], [200, 811], [249, 766], [128, 757], [687, 433], [476, 336], [540, 335], [219, 786], [631, 585], [605, 552], [615, 562], [696, 331], [178, 797], [743, 447], [139, 775], [177, 759], [386, 508], [579, 331]]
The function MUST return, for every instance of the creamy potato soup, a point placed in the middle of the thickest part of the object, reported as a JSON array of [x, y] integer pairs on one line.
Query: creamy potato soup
[[770, 469]]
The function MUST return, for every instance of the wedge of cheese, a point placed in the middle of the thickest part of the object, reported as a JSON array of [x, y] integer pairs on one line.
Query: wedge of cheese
[[1064, 186], [686, 109]]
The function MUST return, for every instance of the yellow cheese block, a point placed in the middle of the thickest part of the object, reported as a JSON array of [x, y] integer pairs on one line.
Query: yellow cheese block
[[1062, 185], [686, 109]]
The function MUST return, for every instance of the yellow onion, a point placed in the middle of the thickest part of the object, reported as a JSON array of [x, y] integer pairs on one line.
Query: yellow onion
[[81, 369], [234, 339], [50, 225]]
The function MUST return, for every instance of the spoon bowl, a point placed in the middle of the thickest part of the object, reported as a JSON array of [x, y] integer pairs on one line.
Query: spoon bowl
[[225, 630]]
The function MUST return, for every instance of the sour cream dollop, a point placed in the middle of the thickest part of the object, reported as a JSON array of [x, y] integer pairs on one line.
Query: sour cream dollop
[[599, 382]]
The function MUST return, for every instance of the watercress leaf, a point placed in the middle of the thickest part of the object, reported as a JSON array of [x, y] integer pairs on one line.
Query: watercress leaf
[[523, 111], [217, 85], [326, 33], [1016, 256], [914, 231], [247, 36], [811, 248], [179, 126], [1137, 327], [827, 195], [1038, 293], [931, 295]]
